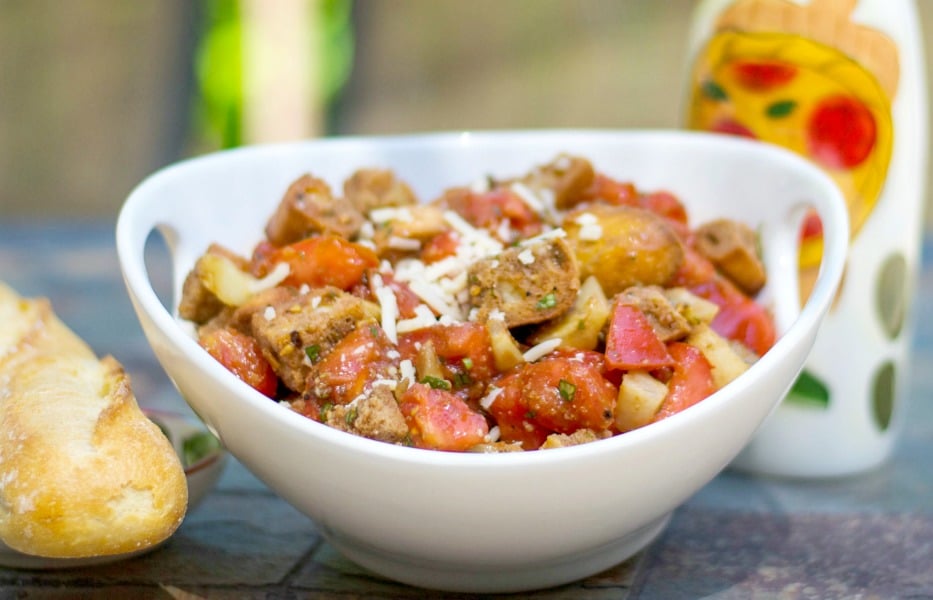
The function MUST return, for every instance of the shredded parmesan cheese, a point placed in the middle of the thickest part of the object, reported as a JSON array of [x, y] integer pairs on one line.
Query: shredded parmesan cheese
[[540, 350], [590, 232], [407, 370], [490, 397], [496, 315], [399, 243], [555, 233], [528, 197], [389, 306], [384, 215], [276, 276]]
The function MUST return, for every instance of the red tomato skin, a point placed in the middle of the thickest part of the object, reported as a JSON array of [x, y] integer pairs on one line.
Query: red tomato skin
[[439, 420], [631, 342], [512, 416], [609, 190], [592, 358], [325, 260], [405, 299], [739, 318], [489, 209], [242, 356], [531, 405], [694, 270], [440, 247], [260, 262], [465, 350], [351, 367], [666, 205], [762, 76], [588, 406], [841, 132], [691, 381]]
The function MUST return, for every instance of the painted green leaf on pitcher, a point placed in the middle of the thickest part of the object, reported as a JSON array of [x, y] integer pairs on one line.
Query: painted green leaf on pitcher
[[808, 390]]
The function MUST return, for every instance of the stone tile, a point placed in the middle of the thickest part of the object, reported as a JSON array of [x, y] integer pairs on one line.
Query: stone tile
[[230, 540], [328, 574], [725, 554]]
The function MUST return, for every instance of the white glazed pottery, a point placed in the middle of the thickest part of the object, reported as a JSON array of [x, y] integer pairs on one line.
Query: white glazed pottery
[[477, 522], [841, 82]]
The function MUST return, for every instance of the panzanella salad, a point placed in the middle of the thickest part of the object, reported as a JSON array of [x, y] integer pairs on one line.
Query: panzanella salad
[[553, 308]]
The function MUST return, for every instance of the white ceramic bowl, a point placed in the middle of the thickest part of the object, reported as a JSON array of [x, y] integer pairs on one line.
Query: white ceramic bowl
[[477, 522]]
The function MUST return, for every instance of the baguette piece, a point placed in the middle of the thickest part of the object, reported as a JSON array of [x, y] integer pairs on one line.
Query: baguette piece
[[83, 472]]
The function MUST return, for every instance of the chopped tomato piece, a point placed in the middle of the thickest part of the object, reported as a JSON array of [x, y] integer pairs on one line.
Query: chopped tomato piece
[[243, 357], [609, 190], [668, 206], [465, 350], [351, 367], [631, 342], [489, 209], [564, 395], [440, 246], [439, 420], [691, 381], [661, 203], [740, 318], [405, 299], [511, 414], [325, 260], [694, 270], [553, 395], [260, 263], [592, 358]]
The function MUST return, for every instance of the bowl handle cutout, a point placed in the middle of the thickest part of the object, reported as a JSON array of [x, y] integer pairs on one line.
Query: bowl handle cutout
[[780, 245], [166, 259]]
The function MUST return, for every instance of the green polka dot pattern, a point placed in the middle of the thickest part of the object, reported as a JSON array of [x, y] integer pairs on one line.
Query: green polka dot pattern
[[891, 294]]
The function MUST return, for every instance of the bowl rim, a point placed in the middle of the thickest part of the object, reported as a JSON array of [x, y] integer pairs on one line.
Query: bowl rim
[[137, 280]]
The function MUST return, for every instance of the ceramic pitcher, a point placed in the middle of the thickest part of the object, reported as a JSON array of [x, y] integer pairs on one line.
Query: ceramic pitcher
[[841, 82]]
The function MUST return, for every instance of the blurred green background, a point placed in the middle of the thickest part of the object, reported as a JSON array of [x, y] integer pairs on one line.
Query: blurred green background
[[96, 94]]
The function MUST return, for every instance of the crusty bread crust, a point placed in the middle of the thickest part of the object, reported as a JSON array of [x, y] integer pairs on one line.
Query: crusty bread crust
[[83, 472]]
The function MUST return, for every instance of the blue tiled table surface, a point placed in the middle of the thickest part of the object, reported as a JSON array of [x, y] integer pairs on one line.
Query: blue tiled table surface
[[868, 536]]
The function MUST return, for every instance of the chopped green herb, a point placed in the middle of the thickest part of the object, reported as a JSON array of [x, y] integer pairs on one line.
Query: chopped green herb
[[436, 382], [374, 330], [462, 379], [530, 415], [351, 416], [548, 301], [198, 446], [567, 390], [313, 352], [467, 363]]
